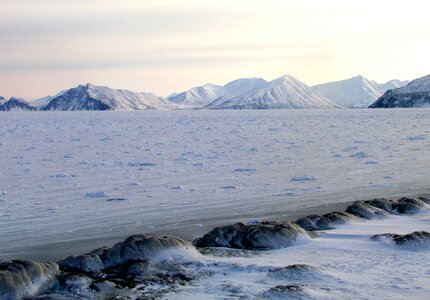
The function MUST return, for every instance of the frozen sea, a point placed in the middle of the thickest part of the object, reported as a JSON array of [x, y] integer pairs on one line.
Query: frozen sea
[[73, 181]]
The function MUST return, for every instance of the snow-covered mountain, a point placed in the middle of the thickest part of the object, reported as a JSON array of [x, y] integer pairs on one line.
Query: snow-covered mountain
[[284, 92], [415, 94], [2, 100], [14, 104], [91, 97], [198, 96], [41, 102], [357, 91], [203, 95]]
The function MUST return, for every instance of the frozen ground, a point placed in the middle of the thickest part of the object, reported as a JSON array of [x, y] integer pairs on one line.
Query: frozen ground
[[73, 181], [341, 264]]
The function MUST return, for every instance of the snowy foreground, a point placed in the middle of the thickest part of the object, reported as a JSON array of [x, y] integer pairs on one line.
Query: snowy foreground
[[341, 264], [378, 249], [71, 182]]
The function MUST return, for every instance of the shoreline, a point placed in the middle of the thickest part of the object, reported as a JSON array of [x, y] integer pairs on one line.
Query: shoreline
[[59, 250], [157, 265]]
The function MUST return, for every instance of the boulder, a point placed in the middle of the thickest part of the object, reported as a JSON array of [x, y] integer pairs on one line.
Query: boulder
[[291, 291], [425, 200], [84, 263], [409, 206], [416, 238], [338, 218], [25, 278], [366, 211], [315, 222], [141, 247], [382, 203], [296, 272], [262, 236]]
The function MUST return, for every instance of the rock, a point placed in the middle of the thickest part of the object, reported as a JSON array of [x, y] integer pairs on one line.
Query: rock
[[292, 291], [416, 238], [297, 272], [409, 206], [366, 211], [140, 269], [382, 203], [425, 200], [141, 247], [25, 278], [101, 252], [338, 218], [105, 286], [262, 236], [314, 222], [83, 263], [78, 285]]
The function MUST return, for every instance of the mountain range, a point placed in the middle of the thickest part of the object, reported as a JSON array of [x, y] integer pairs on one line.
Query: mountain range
[[245, 93], [283, 92], [204, 95]]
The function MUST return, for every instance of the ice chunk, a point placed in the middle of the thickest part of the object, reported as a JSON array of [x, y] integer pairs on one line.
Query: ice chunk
[[97, 194], [303, 178]]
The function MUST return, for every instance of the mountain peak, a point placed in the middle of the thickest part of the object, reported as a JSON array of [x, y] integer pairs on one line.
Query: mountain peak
[[15, 103], [17, 99]]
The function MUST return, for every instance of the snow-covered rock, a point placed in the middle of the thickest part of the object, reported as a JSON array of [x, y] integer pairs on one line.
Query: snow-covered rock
[[415, 94], [355, 92], [260, 236], [16, 104], [284, 92], [25, 278], [91, 97], [203, 95]]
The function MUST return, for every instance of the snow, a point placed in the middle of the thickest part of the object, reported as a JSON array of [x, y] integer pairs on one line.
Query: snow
[[16, 104], [198, 96], [98, 194], [343, 263], [355, 92], [91, 97], [41, 102], [415, 94], [44, 216], [284, 92], [420, 85], [202, 96]]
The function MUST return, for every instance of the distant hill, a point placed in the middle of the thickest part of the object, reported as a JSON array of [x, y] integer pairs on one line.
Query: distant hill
[[415, 94], [357, 91], [284, 92], [91, 97], [203, 95], [14, 104]]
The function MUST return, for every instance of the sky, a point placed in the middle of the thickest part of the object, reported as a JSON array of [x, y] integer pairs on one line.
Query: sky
[[169, 46]]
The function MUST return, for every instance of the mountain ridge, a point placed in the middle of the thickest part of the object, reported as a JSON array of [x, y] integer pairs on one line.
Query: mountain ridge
[[357, 91], [91, 97], [280, 93], [414, 94]]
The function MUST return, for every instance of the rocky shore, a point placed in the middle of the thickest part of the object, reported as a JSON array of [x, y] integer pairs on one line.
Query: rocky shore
[[151, 265]]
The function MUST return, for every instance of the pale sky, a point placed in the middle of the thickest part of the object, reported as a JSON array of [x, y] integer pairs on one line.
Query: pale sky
[[163, 46]]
